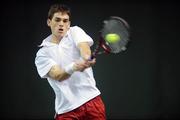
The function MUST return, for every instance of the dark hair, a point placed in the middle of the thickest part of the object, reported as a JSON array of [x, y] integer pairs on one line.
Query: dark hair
[[58, 8]]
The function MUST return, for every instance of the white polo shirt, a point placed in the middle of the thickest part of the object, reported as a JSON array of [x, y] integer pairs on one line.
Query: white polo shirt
[[81, 86]]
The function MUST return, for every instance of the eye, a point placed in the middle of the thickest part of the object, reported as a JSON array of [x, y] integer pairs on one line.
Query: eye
[[65, 20], [57, 20]]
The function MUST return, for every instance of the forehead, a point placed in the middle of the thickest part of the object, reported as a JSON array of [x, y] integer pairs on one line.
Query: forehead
[[61, 15]]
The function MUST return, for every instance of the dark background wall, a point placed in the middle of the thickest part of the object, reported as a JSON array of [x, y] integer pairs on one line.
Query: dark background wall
[[142, 82]]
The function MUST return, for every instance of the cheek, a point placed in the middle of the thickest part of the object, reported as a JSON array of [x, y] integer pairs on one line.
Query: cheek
[[54, 26], [68, 26]]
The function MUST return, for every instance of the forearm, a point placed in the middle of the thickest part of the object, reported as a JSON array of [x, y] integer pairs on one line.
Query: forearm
[[63, 76], [85, 50], [57, 73], [60, 74]]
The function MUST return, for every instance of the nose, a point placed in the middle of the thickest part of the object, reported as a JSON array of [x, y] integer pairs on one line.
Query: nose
[[61, 23]]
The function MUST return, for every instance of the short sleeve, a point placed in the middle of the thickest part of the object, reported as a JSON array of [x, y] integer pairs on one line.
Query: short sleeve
[[43, 63], [79, 35]]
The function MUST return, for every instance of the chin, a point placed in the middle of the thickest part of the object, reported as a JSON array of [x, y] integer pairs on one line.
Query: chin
[[60, 34]]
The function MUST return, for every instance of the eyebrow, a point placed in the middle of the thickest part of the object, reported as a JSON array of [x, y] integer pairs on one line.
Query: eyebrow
[[61, 18]]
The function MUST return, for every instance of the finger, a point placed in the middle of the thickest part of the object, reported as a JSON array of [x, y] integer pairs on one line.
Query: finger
[[92, 62]]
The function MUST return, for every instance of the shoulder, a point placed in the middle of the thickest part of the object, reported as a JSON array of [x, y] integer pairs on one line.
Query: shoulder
[[76, 29], [41, 51]]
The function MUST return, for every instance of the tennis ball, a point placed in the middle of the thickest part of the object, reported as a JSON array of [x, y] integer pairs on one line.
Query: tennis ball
[[112, 38]]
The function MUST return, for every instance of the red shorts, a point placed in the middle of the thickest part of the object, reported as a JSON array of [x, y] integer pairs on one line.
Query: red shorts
[[92, 110]]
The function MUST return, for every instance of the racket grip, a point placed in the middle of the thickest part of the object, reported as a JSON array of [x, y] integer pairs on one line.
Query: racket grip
[[92, 57]]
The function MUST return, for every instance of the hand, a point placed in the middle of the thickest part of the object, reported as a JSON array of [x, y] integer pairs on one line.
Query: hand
[[91, 62], [81, 65]]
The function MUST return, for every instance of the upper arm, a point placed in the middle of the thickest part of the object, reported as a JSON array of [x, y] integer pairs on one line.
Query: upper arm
[[47, 67], [83, 41], [43, 63], [80, 36]]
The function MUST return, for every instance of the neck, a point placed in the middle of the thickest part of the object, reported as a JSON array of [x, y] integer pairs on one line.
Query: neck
[[55, 39]]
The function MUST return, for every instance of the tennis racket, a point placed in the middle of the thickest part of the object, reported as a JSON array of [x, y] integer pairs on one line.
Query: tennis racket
[[114, 36]]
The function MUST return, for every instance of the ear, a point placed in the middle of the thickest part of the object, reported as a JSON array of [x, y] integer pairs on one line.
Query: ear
[[48, 22]]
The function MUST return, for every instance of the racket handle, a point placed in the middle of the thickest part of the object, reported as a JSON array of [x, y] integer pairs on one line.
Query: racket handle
[[92, 57]]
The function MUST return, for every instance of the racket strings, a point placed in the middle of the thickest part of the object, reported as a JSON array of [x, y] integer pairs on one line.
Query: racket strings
[[120, 27], [114, 25]]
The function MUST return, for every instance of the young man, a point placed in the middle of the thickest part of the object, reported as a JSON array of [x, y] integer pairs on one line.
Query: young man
[[64, 60]]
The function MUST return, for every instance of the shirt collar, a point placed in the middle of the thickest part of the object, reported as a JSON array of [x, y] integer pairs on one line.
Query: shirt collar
[[46, 42]]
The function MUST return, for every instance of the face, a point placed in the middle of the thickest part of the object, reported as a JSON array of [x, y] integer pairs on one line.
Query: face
[[59, 24]]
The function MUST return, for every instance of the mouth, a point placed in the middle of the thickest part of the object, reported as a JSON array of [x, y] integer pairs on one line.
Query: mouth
[[60, 30]]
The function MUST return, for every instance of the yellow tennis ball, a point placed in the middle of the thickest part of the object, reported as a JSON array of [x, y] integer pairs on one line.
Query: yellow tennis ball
[[112, 38]]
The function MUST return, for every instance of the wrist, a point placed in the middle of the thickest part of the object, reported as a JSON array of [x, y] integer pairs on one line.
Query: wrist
[[70, 68], [86, 57]]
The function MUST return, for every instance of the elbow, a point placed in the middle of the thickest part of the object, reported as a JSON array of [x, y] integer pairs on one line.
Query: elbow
[[60, 77]]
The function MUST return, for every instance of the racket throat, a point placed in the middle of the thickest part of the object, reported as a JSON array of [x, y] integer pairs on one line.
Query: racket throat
[[100, 45], [106, 49]]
